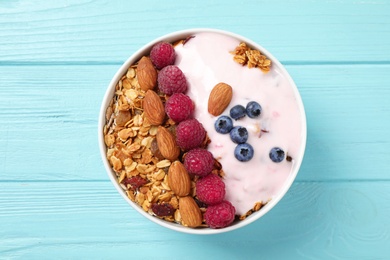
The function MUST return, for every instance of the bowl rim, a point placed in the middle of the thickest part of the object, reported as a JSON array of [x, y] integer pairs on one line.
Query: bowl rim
[[171, 37]]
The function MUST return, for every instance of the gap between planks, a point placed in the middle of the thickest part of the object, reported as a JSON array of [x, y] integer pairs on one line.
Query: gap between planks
[[105, 63]]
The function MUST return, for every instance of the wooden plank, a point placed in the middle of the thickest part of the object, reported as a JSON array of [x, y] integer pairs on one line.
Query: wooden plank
[[49, 117], [304, 31], [49, 121], [343, 220], [347, 115]]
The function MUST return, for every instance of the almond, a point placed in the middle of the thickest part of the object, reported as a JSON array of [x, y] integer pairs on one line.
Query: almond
[[191, 216], [146, 74], [166, 144], [178, 179], [153, 108], [219, 99]]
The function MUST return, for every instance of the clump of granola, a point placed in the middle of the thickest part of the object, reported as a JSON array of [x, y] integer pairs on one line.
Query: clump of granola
[[255, 208], [251, 57]]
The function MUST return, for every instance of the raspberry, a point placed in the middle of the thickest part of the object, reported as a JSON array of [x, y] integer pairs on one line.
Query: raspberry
[[199, 162], [210, 189], [171, 80], [162, 55], [179, 107], [220, 215], [190, 134]]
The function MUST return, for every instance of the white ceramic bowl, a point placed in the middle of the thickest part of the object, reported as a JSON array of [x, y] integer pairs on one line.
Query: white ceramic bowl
[[172, 37]]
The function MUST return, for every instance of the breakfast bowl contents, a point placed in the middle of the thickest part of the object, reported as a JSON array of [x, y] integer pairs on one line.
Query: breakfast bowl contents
[[202, 131]]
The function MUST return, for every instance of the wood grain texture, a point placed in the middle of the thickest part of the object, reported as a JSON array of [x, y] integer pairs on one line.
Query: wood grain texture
[[341, 220], [108, 31], [56, 60]]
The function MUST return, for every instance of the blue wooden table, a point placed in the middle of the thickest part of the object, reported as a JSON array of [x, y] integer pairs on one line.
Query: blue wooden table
[[56, 60]]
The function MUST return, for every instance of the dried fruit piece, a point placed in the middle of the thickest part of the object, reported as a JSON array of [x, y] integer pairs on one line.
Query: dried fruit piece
[[135, 182], [146, 74], [122, 118], [178, 179], [155, 151], [154, 108], [163, 209], [167, 144], [201, 204], [219, 99], [191, 216]]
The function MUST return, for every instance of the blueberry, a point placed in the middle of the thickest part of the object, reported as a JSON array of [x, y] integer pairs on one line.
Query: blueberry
[[239, 134], [223, 124], [237, 112], [243, 152], [253, 109], [276, 154]]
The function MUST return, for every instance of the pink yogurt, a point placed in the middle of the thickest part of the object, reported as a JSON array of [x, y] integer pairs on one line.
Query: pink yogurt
[[206, 61]]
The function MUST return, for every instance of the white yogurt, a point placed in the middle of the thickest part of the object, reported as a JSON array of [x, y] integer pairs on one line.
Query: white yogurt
[[205, 60]]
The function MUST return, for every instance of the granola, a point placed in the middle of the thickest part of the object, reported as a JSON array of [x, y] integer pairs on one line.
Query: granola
[[129, 138], [251, 57]]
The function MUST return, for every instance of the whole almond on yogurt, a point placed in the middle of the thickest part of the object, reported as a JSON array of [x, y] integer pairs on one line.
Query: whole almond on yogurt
[[166, 143], [191, 216], [178, 179], [219, 99], [153, 108], [146, 74]]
